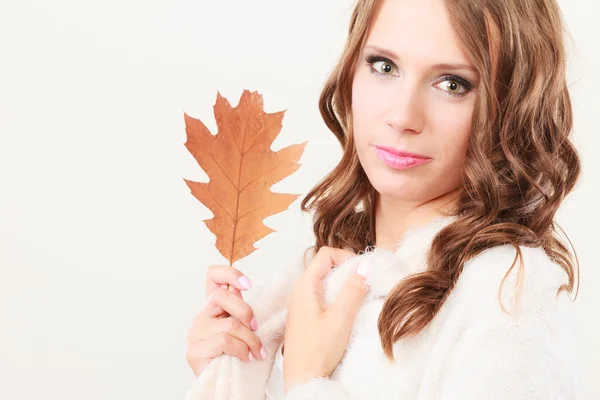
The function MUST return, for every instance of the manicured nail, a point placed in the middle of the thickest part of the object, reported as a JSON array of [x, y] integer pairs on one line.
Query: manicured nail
[[263, 353], [250, 356], [254, 324], [363, 268], [245, 282]]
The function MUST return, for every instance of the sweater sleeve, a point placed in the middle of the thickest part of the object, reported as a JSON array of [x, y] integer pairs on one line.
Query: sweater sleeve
[[524, 353], [317, 389]]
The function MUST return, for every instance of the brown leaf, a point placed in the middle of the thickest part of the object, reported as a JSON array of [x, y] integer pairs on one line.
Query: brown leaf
[[241, 168]]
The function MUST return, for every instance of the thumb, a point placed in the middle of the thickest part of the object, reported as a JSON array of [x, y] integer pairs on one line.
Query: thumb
[[352, 294]]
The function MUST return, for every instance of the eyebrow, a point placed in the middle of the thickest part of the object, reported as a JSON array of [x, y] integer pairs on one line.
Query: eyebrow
[[439, 66]]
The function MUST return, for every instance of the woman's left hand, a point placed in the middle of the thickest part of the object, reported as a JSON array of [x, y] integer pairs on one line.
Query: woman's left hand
[[315, 337]]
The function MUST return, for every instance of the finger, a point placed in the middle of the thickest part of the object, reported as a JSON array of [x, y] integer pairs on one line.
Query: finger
[[231, 288], [223, 300], [231, 326], [218, 275], [325, 259], [222, 343], [211, 310], [235, 291], [346, 305]]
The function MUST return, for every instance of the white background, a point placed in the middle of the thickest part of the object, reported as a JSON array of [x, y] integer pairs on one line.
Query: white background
[[102, 248]]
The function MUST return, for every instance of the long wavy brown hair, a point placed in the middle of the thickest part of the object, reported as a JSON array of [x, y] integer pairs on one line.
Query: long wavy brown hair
[[520, 163]]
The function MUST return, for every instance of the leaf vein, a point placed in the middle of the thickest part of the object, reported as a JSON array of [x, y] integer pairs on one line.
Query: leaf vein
[[263, 174]]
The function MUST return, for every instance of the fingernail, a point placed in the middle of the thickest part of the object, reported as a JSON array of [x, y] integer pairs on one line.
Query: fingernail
[[245, 282], [363, 268], [250, 356], [210, 297], [263, 353], [254, 324]]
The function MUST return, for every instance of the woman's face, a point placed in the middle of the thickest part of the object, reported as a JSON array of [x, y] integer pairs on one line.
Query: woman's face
[[413, 91]]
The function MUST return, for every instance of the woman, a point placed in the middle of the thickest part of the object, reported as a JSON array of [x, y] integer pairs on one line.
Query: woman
[[449, 279]]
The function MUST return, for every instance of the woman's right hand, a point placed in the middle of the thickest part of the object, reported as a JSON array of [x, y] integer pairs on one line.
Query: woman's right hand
[[226, 324]]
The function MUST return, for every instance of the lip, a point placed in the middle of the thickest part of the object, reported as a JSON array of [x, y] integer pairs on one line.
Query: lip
[[402, 153], [400, 159]]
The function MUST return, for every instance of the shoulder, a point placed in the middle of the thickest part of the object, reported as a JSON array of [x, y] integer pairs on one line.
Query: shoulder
[[523, 280], [524, 348]]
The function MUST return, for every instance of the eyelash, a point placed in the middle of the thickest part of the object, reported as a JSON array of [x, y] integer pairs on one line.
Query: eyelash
[[464, 83]]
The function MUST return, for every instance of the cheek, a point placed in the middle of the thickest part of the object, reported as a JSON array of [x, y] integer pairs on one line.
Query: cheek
[[453, 127], [367, 96], [367, 105], [360, 107]]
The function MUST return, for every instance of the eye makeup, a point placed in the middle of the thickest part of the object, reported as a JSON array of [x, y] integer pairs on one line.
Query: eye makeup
[[466, 85]]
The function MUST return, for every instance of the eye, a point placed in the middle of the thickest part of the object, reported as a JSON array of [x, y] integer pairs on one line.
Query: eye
[[380, 66], [386, 68], [451, 86], [454, 85]]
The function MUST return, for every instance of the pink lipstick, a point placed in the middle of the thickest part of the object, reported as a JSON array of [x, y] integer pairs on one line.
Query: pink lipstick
[[400, 159]]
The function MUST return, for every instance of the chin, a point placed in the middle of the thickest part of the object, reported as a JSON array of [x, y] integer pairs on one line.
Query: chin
[[394, 185]]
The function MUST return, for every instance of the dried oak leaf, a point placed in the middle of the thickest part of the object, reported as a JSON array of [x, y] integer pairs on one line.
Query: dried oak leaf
[[241, 168]]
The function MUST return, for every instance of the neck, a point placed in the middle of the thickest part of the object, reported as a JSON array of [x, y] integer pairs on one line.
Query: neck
[[393, 217]]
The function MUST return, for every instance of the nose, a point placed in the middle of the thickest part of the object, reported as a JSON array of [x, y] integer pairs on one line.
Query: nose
[[406, 112]]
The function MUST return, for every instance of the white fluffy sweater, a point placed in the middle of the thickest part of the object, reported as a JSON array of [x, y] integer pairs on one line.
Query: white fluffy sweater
[[471, 350]]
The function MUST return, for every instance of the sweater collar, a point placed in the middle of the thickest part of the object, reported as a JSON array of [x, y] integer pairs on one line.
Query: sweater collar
[[389, 267], [413, 247]]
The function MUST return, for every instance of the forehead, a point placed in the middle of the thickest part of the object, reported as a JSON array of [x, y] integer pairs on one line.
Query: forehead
[[416, 30]]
